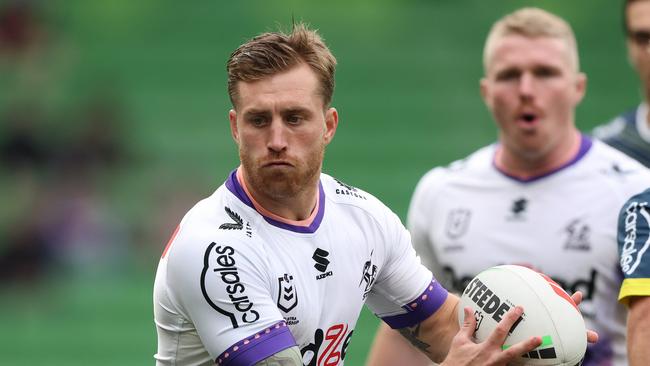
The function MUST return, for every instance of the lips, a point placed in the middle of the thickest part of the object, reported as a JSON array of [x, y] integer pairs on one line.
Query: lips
[[277, 163], [528, 117]]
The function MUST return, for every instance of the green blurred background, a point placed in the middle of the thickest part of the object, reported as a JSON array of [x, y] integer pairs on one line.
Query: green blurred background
[[113, 122]]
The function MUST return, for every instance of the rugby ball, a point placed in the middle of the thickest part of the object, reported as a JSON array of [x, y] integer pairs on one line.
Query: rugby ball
[[549, 312]]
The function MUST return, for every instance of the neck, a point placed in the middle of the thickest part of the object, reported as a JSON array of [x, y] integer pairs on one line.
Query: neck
[[525, 167], [296, 209]]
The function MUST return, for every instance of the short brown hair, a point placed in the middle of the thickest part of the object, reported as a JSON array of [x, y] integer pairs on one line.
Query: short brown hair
[[533, 23], [272, 53]]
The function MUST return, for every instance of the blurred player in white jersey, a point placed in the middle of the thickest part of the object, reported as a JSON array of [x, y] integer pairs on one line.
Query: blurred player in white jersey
[[544, 195], [630, 131], [633, 245], [275, 266]]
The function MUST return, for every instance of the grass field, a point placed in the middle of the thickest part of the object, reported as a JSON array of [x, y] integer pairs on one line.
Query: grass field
[[407, 94]]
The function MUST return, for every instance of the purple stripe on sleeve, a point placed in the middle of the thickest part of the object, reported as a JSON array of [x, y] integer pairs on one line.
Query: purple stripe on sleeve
[[420, 308], [257, 347], [233, 186], [585, 145]]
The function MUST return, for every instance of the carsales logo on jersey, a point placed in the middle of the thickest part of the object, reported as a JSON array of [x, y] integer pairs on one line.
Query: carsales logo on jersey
[[631, 253], [220, 260]]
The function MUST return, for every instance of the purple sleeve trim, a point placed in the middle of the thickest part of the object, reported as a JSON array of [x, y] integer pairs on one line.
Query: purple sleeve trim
[[257, 347], [421, 308]]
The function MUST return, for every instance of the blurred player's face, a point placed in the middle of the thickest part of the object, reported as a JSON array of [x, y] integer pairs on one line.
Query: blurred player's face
[[282, 128], [638, 40], [532, 90]]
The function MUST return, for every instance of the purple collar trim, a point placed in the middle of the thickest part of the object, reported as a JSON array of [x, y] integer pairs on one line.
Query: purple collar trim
[[233, 186], [585, 146]]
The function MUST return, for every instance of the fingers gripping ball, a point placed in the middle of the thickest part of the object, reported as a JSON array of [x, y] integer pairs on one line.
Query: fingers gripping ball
[[549, 312]]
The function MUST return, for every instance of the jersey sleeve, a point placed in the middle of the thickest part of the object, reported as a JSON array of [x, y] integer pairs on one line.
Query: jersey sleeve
[[633, 243], [405, 293], [222, 287], [419, 223]]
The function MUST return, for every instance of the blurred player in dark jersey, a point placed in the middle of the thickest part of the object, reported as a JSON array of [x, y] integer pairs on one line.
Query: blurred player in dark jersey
[[630, 131]]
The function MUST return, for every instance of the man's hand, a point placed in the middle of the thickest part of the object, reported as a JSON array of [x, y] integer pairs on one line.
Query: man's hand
[[465, 352], [592, 336]]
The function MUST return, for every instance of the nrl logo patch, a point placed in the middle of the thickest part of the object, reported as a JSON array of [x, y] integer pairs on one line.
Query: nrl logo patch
[[458, 222], [287, 297]]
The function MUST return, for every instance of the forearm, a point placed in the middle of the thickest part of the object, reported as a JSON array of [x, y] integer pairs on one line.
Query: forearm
[[288, 357], [638, 331], [391, 349], [434, 335]]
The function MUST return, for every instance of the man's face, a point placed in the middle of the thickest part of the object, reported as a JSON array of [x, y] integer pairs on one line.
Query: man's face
[[532, 90], [282, 128], [638, 40]]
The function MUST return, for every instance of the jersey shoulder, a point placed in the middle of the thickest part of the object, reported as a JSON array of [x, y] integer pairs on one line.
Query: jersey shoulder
[[341, 193], [623, 173], [615, 126], [218, 220], [475, 169]]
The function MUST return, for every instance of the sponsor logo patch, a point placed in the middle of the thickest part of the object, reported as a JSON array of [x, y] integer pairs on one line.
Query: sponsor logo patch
[[518, 210], [220, 266], [287, 296], [458, 222], [320, 257], [329, 347], [237, 223], [368, 275], [348, 190], [634, 246], [578, 236]]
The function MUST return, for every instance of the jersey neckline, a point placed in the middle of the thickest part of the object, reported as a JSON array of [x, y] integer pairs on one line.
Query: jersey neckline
[[233, 185], [585, 146]]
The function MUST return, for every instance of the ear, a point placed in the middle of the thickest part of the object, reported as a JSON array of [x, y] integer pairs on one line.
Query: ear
[[331, 123], [581, 86], [484, 88], [232, 116]]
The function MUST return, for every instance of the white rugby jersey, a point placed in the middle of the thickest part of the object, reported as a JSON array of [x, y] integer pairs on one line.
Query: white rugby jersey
[[471, 216], [235, 286]]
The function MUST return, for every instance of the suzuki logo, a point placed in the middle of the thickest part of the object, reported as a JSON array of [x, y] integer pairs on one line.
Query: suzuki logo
[[320, 256]]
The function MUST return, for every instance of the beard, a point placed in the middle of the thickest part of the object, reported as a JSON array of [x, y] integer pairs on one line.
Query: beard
[[282, 182]]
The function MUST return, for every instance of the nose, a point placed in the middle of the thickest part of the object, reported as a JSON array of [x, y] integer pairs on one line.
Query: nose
[[277, 139], [526, 86]]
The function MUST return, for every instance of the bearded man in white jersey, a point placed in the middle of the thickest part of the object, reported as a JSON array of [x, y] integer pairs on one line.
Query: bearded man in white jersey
[[275, 266], [544, 195]]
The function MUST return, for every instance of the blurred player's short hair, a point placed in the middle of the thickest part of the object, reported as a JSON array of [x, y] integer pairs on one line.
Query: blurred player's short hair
[[532, 23], [271, 53]]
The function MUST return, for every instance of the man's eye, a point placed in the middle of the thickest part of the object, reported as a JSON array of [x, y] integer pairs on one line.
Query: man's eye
[[257, 121], [294, 119], [545, 72], [508, 75]]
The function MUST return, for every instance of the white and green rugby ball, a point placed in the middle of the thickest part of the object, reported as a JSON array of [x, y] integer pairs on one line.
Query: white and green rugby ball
[[549, 312]]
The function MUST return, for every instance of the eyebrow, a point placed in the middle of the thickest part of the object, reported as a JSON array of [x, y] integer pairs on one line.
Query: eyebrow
[[295, 110]]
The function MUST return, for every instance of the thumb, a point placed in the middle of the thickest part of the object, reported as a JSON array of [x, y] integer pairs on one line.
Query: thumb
[[469, 322]]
